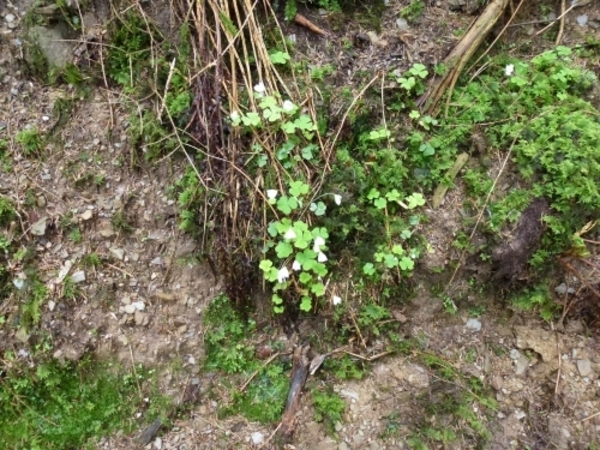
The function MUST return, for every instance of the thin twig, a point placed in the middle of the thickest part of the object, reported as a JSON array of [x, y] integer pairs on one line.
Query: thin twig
[[561, 29]]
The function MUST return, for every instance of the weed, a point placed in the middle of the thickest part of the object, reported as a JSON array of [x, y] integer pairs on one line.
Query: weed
[[228, 350], [31, 141], [120, 222], [329, 408], [55, 406], [76, 235], [413, 11], [91, 260]]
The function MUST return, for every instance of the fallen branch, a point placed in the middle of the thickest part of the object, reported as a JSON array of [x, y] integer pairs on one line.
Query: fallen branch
[[299, 376], [301, 20], [460, 55]]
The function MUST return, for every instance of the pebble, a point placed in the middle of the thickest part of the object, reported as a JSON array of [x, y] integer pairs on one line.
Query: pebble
[[402, 24], [39, 228], [78, 276], [584, 367], [141, 318], [514, 354], [582, 20], [522, 365], [343, 446], [129, 309], [257, 438], [473, 325], [87, 214], [10, 18], [118, 253], [562, 289]]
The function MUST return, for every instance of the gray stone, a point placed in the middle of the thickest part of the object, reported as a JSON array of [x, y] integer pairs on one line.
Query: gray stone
[[39, 228], [473, 325], [54, 44], [584, 367], [522, 365], [118, 253]]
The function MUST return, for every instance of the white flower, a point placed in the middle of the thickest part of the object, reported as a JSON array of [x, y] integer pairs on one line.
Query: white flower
[[321, 257], [319, 241], [288, 106], [296, 266], [336, 300], [337, 199], [260, 88], [509, 70], [283, 275], [234, 116], [272, 193], [290, 234]]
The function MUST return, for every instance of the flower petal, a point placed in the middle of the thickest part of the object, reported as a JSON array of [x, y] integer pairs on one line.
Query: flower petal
[[283, 275], [337, 199], [272, 193], [296, 266], [321, 257], [336, 300]]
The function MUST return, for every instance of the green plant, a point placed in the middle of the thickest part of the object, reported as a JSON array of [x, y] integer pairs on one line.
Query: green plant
[[31, 141], [229, 350], [413, 11], [57, 406], [329, 408], [75, 235]]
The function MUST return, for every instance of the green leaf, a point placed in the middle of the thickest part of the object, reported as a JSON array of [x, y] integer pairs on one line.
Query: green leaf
[[284, 249], [373, 193], [415, 200], [369, 269], [397, 249], [287, 204], [318, 289], [279, 57], [298, 188], [318, 208], [406, 263], [305, 123], [307, 152], [265, 265], [380, 203], [276, 299], [305, 278], [268, 102], [306, 304], [390, 261], [252, 119]]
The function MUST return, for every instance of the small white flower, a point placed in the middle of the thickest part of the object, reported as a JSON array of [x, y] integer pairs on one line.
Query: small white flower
[[319, 241], [321, 257], [288, 106], [272, 193], [290, 234], [337, 199], [260, 88], [283, 275], [509, 70], [336, 300], [296, 266], [234, 116]]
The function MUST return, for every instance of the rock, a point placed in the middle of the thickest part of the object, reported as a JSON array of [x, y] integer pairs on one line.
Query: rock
[[129, 309], [473, 325], [562, 289], [118, 253], [141, 319], [497, 382], [139, 306], [402, 24], [584, 367], [54, 44], [521, 365], [582, 20], [107, 232], [87, 214], [541, 341], [514, 354], [78, 276], [40, 201], [257, 438], [39, 228], [10, 18]]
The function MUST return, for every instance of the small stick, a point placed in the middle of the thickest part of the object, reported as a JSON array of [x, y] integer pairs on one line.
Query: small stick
[[591, 417], [267, 362], [301, 20], [561, 29]]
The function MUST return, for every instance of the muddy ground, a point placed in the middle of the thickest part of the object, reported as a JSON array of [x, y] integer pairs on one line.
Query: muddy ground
[[147, 305]]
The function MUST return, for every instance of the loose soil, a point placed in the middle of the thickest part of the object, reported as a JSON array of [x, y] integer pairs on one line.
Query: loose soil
[[544, 377]]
